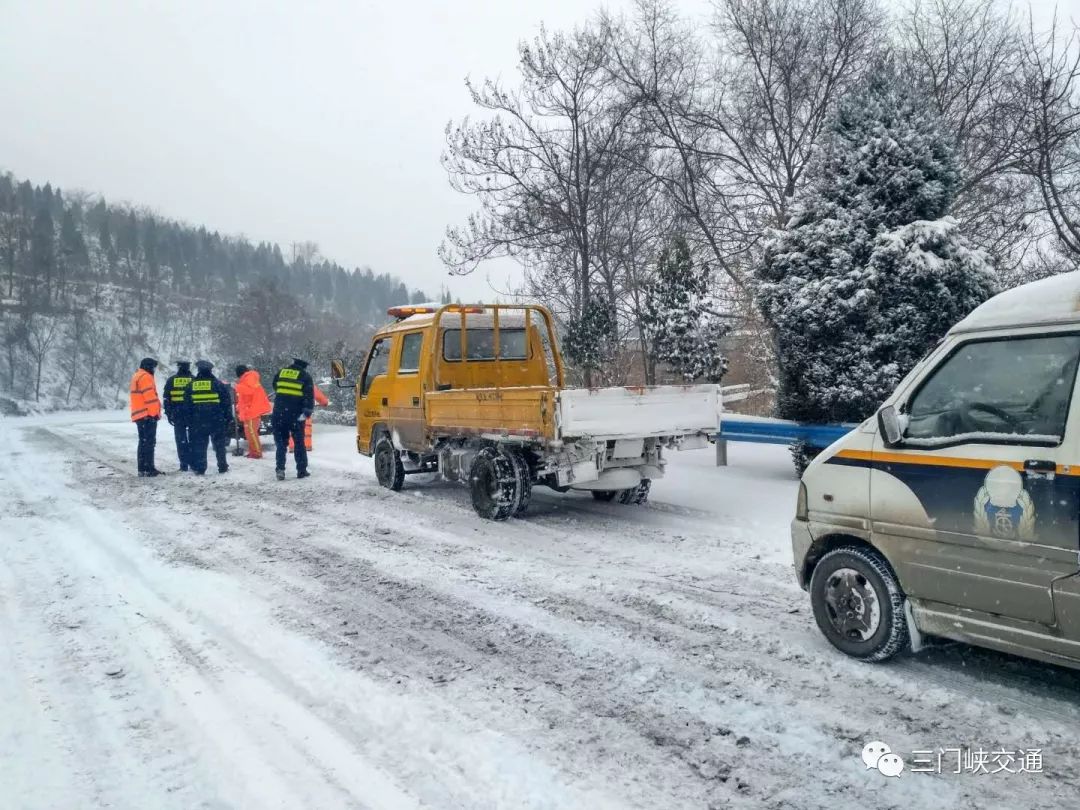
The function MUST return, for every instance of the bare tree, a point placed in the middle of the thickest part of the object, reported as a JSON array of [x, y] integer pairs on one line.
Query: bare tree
[[965, 55], [537, 163], [41, 334], [1051, 91]]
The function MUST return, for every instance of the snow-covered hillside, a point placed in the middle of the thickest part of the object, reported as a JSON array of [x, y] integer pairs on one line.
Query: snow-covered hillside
[[238, 642]]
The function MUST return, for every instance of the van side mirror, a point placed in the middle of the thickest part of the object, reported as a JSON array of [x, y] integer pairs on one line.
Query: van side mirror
[[889, 426]]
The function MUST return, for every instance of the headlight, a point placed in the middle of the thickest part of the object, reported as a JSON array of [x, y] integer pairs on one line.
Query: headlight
[[800, 504]]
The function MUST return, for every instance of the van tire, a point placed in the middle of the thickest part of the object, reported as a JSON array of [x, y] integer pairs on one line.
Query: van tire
[[852, 573], [388, 467], [493, 482]]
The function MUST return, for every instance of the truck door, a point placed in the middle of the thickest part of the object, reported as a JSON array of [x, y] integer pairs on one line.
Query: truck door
[[373, 391], [978, 506], [406, 409]]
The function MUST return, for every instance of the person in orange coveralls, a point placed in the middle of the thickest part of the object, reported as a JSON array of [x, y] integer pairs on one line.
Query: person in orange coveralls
[[252, 403], [320, 399]]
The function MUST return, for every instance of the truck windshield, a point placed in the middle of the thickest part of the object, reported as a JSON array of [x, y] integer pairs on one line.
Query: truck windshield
[[481, 344]]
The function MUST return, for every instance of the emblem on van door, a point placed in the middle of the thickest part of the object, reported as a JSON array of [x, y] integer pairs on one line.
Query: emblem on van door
[[1003, 508]]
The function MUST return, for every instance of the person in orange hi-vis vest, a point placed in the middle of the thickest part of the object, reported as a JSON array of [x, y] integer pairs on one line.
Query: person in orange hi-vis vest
[[252, 404], [320, 399], [145, 413]]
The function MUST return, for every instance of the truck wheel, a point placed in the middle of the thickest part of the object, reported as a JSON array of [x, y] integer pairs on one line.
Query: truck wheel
[[493, 480], [638, 494], [524, 479], [388, 467], [604, 494], [858, 604]]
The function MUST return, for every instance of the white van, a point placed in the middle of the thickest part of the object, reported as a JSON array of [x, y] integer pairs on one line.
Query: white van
[[955, 511]]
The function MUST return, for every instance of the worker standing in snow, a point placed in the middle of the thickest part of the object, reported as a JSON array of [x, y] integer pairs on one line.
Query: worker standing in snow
[[210, 402], [252, 404], [145, 413], [294, 400], [178, 414], [320, 399]]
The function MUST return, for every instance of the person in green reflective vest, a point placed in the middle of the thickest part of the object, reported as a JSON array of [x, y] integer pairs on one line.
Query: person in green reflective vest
[[210, 402], [177, 412], [294, 400]]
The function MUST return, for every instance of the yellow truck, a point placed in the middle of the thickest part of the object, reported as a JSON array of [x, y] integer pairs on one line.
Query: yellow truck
[[477, 394]]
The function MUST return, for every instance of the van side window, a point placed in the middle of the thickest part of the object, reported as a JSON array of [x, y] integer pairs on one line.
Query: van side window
[[409, 362], [998, 390], [378, 363]]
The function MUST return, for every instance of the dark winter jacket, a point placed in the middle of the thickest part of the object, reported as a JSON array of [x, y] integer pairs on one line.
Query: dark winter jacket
[[209, 402], [176, 410], [294, 395]]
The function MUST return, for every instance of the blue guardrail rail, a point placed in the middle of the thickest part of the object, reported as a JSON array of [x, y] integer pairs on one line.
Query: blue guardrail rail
[[763, 431]]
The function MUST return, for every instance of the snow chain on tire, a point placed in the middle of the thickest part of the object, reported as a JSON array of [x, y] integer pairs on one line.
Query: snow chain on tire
[[524, 479], [636, 495], [493, 481]]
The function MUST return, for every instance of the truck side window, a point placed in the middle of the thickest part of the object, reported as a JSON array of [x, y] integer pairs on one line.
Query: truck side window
[[409, 362], [1016, 389], [378, 363]]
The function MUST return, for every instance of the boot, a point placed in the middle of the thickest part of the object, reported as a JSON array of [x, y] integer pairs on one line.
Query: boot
[[280, 475], [303, 474], [224, 469]]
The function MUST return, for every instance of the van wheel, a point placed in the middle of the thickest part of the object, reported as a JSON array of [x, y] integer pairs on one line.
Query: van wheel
[[604, 494], [636, 495], [493, 481], [388, 467], [858, 604]]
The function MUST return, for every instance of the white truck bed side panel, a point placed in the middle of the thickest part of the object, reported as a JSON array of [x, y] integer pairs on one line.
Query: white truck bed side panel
[[662, 410]]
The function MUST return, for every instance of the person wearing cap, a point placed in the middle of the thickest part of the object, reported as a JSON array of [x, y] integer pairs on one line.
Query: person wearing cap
[[294, 401], [252, 404], [145, 413], [177, 412], [210, 402]]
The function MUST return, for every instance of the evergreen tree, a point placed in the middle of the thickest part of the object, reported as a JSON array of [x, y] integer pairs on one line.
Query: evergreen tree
[[681, 328], [588, 338], [870, 271], [43, 256]]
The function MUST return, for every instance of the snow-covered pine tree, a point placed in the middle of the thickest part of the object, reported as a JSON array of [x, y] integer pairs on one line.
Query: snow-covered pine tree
[[588, 338], [870, 271], [680, 325]]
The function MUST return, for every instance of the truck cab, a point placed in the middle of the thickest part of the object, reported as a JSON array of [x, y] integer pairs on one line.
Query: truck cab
[[955, 511], [478, 394]]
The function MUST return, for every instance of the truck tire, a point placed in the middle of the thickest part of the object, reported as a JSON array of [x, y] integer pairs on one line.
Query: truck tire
[[493, 481], [604, 494], [388, 467], [858, 604], [636, 495], [524, 479]]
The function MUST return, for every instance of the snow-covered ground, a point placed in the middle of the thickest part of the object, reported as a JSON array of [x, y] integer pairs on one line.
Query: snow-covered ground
[[234, 641]]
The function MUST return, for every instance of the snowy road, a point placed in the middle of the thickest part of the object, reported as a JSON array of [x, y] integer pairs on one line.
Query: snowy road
[[237, 642]]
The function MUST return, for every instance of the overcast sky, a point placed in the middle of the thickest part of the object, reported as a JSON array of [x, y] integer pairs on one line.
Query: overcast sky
[[311, 119], [285, 121]]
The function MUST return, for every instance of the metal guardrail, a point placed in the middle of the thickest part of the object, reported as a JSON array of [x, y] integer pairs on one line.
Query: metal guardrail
[[774, 431]]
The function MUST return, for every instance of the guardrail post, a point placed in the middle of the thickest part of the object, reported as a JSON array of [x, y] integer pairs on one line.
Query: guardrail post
[[721, 452]]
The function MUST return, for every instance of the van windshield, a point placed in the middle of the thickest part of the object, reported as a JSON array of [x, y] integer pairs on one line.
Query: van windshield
[[1018, 387]]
